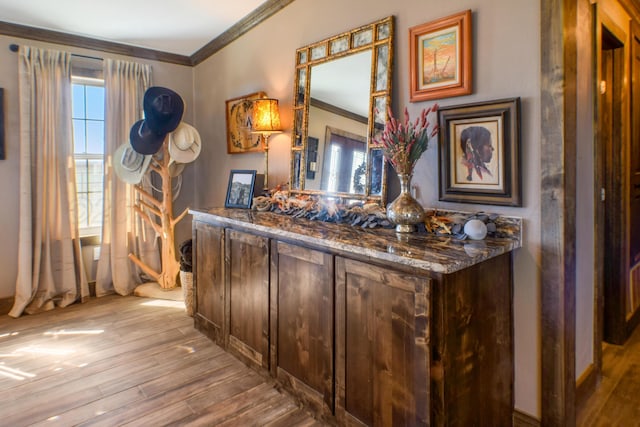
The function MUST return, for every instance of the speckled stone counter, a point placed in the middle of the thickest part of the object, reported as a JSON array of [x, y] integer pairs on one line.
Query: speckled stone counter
[[439, 254]]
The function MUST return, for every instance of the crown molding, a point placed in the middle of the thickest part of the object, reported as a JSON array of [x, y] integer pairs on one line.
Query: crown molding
[[264, 11], [56, 37], [254, 18]]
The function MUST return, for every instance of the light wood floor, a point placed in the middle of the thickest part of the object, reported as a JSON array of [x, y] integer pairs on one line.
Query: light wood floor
[[616, 401], [126, 361]]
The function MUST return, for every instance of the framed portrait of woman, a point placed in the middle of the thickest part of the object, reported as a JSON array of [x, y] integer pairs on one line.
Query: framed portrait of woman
[[480, 153]]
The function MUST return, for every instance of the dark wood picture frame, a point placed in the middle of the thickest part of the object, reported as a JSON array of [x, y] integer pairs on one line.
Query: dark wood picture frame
[[2, 152], [480, 153], [450, 74], [238, 115], [240, 189]]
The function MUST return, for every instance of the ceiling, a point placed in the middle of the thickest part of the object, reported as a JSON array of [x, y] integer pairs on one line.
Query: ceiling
[[178, 27]]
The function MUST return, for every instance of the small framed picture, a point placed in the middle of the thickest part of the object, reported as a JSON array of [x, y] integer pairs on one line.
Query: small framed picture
[[480, 153], [440, 58], [240, 189], [239, 136]]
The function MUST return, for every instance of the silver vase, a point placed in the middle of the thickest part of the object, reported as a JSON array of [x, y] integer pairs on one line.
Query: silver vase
[[405, 211]]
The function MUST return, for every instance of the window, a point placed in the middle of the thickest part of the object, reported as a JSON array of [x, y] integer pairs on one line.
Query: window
[[88, 142]]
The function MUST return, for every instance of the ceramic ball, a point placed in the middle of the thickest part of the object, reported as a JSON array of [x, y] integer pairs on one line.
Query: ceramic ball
[[475, 229]]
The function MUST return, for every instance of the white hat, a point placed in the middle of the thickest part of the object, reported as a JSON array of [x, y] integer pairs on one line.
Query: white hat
[[175, 168], [184, 143], [130, 165]]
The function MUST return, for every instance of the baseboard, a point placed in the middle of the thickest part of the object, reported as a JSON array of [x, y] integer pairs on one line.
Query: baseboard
[[5, 305], [520, 419], [586, 385]]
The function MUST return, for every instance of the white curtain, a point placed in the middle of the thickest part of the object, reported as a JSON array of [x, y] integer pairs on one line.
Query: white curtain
[[50, 270], [122, 230]]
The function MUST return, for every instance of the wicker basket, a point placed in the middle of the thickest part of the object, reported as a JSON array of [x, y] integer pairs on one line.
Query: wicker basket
[[186, 281]]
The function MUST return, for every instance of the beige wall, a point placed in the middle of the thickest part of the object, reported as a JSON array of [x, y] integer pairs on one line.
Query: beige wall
[[585, 209], [176, 77], [506, 64]]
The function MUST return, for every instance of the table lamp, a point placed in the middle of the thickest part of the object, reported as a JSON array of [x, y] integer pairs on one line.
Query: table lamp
[[265, 121]]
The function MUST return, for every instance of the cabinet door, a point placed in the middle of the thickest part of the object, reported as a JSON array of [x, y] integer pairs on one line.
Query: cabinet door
[[302, 322], [247, 271], [209, 280], [382, 339]]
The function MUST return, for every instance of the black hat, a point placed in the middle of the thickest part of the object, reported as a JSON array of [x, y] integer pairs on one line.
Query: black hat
[[144, 140], [163, 109]]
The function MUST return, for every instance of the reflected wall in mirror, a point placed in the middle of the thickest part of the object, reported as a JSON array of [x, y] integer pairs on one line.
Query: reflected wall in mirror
[[343, 87]]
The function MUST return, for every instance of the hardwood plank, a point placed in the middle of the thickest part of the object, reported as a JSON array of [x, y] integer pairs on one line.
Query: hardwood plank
[[615, 401], [149, 366]]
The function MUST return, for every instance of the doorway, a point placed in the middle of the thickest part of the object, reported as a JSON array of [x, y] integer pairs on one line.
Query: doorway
[[610, 126], [617, 117]]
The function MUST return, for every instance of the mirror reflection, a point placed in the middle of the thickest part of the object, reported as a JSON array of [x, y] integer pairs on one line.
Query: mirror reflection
[[340, 82], [337, 127]]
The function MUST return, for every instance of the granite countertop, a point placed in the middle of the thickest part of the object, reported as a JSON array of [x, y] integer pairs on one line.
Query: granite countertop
[[440, 254]]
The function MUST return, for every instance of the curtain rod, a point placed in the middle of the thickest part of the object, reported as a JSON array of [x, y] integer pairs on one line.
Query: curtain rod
[[14, 48]]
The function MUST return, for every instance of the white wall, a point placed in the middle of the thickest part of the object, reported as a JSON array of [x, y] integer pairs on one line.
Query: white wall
[[506, 64], [176, 77]]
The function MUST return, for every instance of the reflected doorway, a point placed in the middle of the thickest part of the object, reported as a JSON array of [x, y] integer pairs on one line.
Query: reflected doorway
[[344, 163]]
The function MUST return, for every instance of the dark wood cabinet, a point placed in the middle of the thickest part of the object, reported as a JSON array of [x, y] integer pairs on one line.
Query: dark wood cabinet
[[382, 339], [362, 337], [209, 280], [302, 323], [247, 280]]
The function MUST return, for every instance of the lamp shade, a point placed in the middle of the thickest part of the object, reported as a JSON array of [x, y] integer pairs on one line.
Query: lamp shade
[[266, 116]]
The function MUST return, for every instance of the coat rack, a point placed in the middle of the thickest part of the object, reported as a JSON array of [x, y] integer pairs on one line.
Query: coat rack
[[162, 210], [156, 143]]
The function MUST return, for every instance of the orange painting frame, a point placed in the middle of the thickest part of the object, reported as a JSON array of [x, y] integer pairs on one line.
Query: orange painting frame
[[450, 74]]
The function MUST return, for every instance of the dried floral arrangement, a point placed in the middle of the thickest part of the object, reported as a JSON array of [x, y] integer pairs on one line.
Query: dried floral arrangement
[[404, 142], [365, 215]]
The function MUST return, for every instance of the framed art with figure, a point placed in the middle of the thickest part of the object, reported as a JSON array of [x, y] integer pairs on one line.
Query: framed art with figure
[[480, 153], [240, 189], [239, 136], [440, 55]]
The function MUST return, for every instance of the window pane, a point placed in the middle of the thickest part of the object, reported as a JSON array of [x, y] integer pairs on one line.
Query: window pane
[[82, 210], [95, 176], [95, 137], [95, 102], [95, 210], [88, 128], [78, 101], [79, 139], [81, 176]]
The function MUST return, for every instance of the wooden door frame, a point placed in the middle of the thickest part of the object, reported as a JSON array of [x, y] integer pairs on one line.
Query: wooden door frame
[[557, 200]]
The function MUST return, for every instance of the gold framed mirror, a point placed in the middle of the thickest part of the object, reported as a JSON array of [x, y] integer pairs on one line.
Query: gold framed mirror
[[341, 93]]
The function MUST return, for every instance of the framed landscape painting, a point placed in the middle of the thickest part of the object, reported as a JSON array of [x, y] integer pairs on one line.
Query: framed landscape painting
[[440, 58]]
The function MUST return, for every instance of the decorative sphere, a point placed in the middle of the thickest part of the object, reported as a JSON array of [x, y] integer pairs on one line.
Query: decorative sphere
[[475, 229]]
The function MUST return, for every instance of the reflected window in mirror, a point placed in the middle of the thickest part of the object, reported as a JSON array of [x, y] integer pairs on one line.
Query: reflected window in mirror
[[342, 89]]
